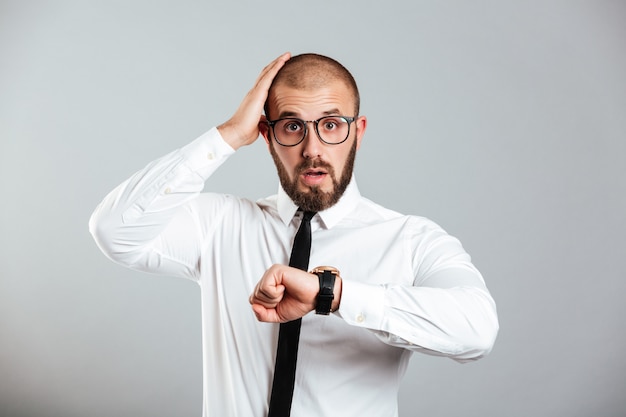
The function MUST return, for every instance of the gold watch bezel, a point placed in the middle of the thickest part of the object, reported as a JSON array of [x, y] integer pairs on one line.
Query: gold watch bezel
[[321, 269]]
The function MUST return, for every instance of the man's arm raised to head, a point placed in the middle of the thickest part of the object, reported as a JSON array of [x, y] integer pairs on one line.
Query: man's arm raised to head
[[243, 127], [129, 220]]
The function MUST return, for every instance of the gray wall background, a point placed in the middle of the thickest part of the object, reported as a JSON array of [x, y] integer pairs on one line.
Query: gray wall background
[[505, 122]]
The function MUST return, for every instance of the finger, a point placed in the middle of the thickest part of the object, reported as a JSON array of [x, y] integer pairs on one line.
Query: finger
[[266, 315], [267, 296], [269, 72], [280, 60], [255, 99]]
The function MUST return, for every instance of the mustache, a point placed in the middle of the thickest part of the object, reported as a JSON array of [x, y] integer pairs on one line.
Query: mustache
[[313, 163]]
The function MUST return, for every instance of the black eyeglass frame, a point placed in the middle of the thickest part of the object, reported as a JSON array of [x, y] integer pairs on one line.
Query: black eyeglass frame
[[271, 124]]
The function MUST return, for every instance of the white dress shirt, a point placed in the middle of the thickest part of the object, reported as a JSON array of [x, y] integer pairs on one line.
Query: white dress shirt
[[408, 286]]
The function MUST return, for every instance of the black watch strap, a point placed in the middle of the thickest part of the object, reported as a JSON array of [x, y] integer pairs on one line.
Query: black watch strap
[[327, 286]]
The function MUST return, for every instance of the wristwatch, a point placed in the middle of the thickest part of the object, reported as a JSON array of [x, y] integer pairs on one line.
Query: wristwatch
[[325, 297]]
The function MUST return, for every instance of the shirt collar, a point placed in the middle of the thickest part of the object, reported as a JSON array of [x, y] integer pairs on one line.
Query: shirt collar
[[331, 216]]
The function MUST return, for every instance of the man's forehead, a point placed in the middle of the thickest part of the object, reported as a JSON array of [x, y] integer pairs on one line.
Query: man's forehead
[[332, 98], [291, 113]]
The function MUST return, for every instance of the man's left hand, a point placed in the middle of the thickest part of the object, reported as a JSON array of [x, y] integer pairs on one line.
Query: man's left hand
[[283, 294]]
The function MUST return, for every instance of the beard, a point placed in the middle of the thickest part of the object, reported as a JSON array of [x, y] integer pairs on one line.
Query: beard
[[314, 199]]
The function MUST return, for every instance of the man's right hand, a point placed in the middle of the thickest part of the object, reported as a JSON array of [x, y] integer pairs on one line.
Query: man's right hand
[[243, 127]]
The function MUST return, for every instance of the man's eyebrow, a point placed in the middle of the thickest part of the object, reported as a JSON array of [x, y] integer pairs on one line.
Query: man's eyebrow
[[287, 114], [332, 112]]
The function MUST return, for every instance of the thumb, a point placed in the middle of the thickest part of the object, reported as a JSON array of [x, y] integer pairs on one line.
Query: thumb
[[266, 315]]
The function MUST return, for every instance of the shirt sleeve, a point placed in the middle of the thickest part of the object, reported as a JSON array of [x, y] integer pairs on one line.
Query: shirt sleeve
[[447, 311], [149, 222]]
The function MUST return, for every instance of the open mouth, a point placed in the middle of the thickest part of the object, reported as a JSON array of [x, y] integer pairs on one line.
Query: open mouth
[[314, 175]]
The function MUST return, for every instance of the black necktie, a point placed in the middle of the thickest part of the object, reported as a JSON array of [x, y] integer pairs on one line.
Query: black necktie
[[289, 334]]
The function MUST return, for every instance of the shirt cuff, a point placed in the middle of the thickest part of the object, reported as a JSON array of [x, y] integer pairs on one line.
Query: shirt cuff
[[362, 304], [205, 154]]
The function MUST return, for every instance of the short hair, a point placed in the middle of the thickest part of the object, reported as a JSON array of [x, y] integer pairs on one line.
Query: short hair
[[310, 71]]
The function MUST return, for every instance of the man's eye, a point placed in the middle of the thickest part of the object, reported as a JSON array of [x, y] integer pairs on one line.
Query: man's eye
[[293, 127], [330, 125]]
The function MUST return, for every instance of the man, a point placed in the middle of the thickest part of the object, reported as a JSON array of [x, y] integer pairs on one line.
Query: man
[[401, 284]]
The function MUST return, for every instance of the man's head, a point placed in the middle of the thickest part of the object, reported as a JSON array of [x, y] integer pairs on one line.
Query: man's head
[[314, 172], [311, 71]]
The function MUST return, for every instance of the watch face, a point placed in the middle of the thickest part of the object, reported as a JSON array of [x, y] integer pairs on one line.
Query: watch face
[[321, 269]]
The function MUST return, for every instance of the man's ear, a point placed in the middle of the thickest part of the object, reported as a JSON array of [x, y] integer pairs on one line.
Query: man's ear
[[360, 124], [264, 129]]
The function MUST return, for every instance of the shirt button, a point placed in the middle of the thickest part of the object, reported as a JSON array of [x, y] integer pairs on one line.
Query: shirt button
[[360, 318], [167, 190], [210, 156]]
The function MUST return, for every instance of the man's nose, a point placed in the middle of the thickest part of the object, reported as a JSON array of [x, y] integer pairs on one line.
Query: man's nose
[[313, 146]]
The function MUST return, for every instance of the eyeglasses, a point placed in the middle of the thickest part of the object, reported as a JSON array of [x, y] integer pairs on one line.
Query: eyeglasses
[[290, 131]]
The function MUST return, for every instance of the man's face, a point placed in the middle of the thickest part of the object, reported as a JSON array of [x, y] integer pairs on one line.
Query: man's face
[[314, 174]]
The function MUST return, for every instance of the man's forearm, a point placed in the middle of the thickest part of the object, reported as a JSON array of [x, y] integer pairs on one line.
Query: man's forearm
[[137, 211], [460, 322]]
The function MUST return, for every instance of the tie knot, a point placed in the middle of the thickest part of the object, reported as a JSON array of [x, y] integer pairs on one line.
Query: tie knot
[[307, 216]]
